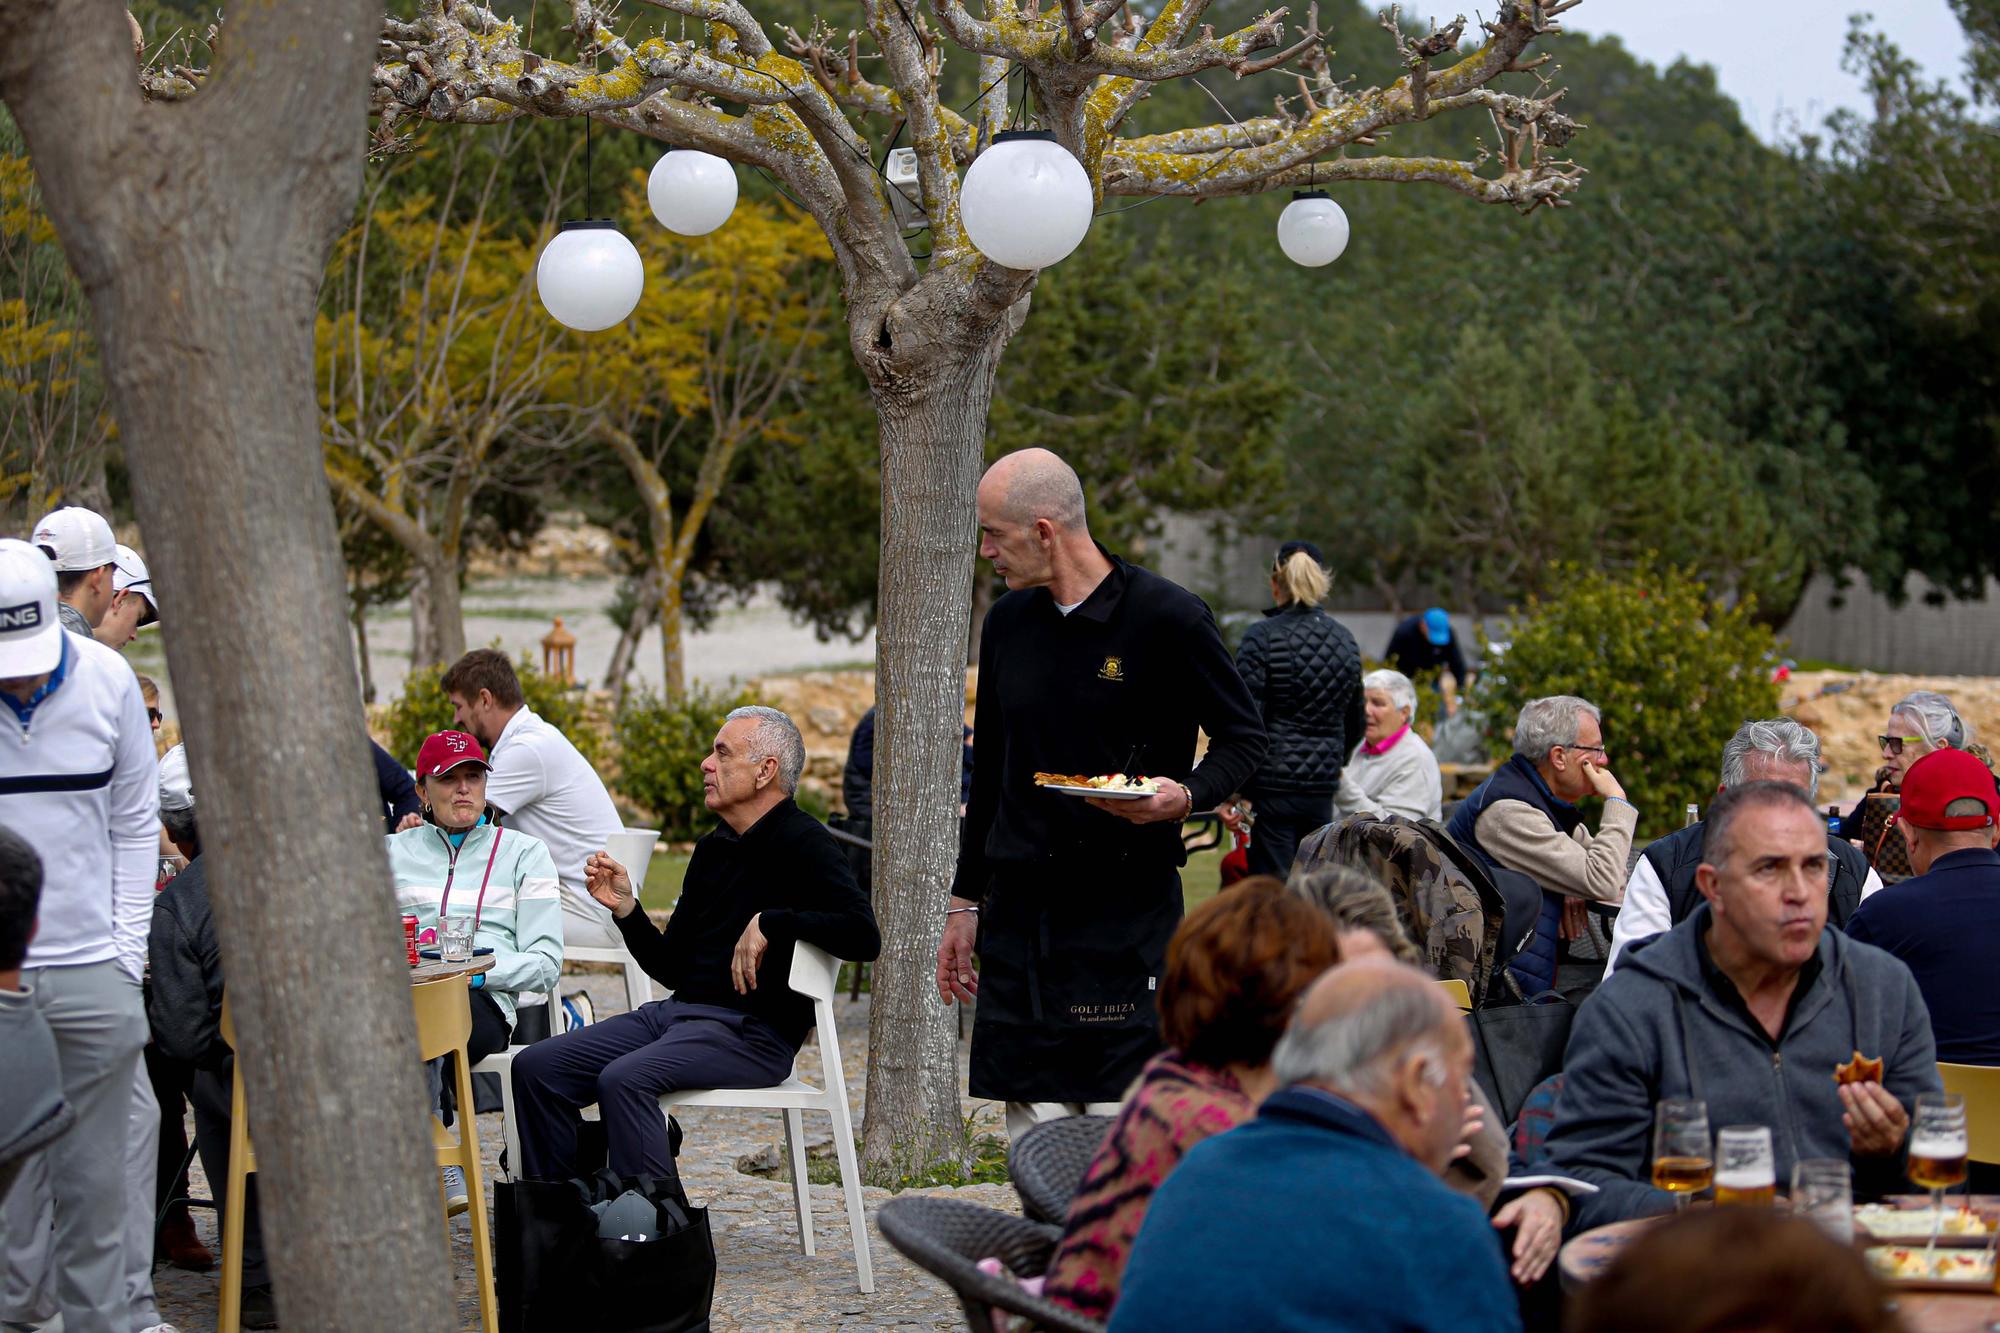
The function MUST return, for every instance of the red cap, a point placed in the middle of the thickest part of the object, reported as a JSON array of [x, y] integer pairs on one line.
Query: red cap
[[447, 750], [1938, 779]]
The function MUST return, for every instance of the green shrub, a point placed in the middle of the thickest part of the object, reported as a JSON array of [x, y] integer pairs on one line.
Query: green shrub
[[1674, 671], [422, 708], [661, 747]]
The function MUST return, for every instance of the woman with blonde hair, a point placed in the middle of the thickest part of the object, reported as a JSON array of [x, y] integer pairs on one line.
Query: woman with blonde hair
[[1304, 670]]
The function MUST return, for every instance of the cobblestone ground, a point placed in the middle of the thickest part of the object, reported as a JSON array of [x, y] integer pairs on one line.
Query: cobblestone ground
[[764, 1281]]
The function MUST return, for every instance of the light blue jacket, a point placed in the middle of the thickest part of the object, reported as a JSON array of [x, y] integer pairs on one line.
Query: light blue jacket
[[502, 877]]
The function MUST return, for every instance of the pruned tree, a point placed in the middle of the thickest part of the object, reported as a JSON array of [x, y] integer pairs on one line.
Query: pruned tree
[[198, 229], [928, 330]]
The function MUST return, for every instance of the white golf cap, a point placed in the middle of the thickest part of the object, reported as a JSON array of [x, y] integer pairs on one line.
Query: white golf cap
[[30, 633], [79, 539], [176, 786], [128, 574]]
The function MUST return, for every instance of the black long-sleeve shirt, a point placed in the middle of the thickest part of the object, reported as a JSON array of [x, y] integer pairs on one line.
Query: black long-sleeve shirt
[[184, 991], [785, 869], [1411, 651], [1122, 684], [398, 791]]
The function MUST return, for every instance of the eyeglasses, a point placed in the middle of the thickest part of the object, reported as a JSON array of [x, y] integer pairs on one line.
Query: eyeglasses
[[1894, 744], [1589, 749]]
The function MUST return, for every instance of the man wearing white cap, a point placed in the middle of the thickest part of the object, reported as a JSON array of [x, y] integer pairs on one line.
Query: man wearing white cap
[[78, 780], [134, 604], [80, 543]]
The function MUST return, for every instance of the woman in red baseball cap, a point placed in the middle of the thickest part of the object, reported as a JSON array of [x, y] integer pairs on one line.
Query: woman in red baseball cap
[[459, 869]]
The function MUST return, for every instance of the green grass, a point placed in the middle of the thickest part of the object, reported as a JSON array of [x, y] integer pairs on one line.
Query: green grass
[[1201, 877], [664, 875]]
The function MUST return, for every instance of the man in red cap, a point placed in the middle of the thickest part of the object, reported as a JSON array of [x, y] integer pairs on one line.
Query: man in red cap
[[1944, 921]]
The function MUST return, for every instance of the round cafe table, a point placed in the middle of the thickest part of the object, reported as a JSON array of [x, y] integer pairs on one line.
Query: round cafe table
[[1588, 1254]]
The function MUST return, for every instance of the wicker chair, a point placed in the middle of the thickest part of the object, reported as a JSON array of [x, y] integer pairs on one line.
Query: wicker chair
[[948, 1238], [1048, 1163]]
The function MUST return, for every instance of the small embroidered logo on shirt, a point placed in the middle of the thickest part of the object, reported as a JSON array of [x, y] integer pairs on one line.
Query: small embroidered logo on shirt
[[1113, 669]]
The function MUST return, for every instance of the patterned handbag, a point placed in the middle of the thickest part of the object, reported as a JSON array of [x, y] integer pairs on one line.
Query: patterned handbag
[[1881, 840]]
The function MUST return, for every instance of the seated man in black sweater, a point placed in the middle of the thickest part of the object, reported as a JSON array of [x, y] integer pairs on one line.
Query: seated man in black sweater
[[768, 876]]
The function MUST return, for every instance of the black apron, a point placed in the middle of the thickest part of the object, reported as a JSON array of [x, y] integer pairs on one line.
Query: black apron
[[1070, 962]]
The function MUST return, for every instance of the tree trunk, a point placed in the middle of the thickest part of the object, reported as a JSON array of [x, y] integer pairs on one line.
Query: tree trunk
[[645, 606], [360, 619], [982, 602], [673, 651], [933, 429], [437, 616], [203, 283]]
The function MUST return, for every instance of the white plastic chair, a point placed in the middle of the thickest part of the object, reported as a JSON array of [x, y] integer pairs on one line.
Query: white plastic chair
[[814, 974], [501, 1063], [633, 849]]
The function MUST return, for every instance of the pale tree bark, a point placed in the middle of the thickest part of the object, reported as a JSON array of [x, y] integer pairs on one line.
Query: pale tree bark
[[928, 338], [199, 232]]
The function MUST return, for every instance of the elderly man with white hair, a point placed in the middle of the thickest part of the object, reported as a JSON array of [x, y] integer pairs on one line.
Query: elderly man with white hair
[[766, 877], [1391, 771], [1661, 892]]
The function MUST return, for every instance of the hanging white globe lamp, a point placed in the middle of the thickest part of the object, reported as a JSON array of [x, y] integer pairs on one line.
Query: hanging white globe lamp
[[692, 192], [589, 276], [1312, 231], [1026, 200]]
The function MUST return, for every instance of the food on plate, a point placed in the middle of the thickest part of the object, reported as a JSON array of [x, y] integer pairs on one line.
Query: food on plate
[[1860, 1069], [1893, 1223], [1972, 1267], [1108, 782]]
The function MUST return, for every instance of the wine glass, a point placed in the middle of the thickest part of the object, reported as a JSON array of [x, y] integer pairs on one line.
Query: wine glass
[[1746, 1170], [1683, 1160], [1823, 1194], [1939, 1149]]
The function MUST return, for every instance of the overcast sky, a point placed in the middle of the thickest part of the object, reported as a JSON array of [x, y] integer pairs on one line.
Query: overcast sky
[[1772, 56]]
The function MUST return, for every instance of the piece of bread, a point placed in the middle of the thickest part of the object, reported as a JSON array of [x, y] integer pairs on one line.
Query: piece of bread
[[1860, 1069]]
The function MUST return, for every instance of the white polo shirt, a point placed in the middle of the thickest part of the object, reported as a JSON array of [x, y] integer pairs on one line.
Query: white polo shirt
[[549, 791]]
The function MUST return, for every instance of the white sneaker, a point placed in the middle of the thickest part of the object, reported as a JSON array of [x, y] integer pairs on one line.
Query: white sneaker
[[455, 1199], [160, 1328]]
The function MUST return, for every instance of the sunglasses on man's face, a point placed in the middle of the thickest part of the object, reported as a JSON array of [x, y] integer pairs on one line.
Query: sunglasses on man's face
[[1894, 744]]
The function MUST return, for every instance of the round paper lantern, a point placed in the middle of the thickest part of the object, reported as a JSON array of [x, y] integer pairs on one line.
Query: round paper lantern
[[589, 277], [1026, 200], [692, 192], [1312, 231]]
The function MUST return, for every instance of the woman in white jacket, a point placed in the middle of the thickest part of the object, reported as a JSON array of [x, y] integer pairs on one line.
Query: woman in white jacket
[[1392, 771]]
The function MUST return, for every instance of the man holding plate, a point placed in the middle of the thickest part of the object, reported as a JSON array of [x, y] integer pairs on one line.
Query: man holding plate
[[1088, 668]]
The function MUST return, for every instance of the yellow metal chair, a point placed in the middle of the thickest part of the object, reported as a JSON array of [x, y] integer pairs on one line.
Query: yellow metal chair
[[1980, 1086], [444, 1021], [1460, 993]]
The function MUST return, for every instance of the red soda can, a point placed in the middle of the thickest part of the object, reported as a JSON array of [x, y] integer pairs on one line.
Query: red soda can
[[410, 937]]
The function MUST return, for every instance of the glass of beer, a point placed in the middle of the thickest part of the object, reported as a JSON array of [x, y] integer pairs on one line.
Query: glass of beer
[[1746, 1170], [1939, 1149], [1683, 1164]]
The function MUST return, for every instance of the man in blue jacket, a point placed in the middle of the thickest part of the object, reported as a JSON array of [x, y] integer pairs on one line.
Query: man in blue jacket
[[1749, 1005], [1327, 1210], [1944, 922]]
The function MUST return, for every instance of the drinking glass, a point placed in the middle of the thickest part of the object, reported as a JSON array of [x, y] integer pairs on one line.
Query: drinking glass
[[1823, 1194], [1683, 1163], [1746, 1171], [455, 939], [1939, 1149]]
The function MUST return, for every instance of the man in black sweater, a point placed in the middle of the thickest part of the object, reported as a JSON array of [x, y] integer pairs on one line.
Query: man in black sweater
[[767, 877], [1088, 666]]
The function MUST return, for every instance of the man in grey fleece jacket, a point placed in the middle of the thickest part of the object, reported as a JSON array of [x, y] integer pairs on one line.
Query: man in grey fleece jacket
[[1749, 1005]]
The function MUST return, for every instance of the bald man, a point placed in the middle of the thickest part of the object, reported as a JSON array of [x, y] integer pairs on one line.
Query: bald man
[[1331, 1200], [1087, 666]]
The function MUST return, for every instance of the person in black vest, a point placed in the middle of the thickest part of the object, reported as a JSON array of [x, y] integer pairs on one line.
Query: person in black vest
[[1661, 892], [1524, 819], [1304, 670], [1087, 667]]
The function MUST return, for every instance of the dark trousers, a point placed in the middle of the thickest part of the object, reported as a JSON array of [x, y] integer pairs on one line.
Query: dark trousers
[[170, 1079], [623, 1065], [1283, 821], [209, 1095]]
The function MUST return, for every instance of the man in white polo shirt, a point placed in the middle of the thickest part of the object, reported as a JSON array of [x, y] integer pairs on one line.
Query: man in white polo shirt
[[78, 780], [540, 782], [80, 543]]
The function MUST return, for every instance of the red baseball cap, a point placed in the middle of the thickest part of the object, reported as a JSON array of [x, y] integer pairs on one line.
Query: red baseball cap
[[446, 750], [1938, 779]]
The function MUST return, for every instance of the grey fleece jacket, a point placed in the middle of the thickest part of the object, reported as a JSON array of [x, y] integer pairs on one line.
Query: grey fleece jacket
[[1657, 1028]]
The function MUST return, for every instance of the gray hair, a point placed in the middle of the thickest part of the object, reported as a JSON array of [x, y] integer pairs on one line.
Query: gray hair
[[1937, 720], [1354, 1051], [1718, 828], [1355, 900], [1783, 739], [1546, 723], [1396, 685], [777, 737]]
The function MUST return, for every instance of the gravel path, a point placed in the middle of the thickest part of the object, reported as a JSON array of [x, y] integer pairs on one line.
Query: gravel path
[[764, 1281]]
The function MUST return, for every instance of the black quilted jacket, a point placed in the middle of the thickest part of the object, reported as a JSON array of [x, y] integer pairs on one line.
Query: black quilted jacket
[[1304, 671]]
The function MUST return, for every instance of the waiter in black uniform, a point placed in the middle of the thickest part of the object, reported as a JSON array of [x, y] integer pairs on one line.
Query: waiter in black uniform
[[1087, 666]]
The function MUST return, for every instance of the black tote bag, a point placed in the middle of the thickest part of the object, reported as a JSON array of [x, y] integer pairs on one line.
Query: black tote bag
[[1516, 1046], [553, 1274]]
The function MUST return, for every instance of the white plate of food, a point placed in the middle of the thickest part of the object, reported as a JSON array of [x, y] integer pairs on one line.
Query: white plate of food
[[1109, 787], [1958, 1226], [1946, 1270]]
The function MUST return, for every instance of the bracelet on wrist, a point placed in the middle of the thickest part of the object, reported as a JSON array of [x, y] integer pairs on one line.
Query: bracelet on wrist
[[953, 911]]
